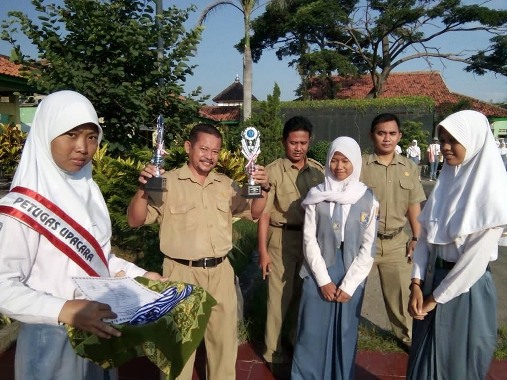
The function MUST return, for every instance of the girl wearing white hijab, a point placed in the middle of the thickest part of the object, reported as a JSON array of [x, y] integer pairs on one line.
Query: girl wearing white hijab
[[453, 297], [52, 188], [339, 248]]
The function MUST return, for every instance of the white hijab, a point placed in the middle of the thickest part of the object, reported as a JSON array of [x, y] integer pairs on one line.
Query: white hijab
[[75, 193], [348, 191], [467, 198]]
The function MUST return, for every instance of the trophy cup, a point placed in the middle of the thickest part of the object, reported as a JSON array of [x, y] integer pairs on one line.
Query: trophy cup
[[250, 148], [157, 182]]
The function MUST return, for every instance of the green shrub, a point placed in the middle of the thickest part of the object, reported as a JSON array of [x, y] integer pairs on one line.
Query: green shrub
[[12, 140], [118, 181], [318, 151]]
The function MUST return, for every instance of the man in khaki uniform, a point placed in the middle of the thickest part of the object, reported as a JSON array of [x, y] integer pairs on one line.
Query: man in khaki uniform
[[195, 216], [280, 232], [394, 180]]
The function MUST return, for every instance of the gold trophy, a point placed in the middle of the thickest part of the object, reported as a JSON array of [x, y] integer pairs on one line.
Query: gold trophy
[[250, 148], [157, 182]]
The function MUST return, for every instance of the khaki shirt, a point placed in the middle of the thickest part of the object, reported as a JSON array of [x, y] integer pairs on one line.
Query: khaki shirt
[[196, 220], [289, 186], [396, 187]]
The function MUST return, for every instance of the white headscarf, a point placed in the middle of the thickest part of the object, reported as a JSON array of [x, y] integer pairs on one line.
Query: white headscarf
[[467, 198], [348, 191], [75, 193]]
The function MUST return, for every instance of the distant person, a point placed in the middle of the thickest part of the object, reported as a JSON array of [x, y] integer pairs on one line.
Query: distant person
[[503, 152], [453, 297], [414, 154], [54, 224], [433, 158], [394, 181], [398, 149], [339, 245], [280, 235], [195, 217]]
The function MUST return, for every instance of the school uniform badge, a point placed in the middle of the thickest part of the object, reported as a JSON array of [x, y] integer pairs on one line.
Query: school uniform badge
[[364, 218]]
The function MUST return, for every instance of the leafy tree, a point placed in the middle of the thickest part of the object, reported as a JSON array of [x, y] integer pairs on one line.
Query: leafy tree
[[268, 120], [307, 31], [494, 58], [383, 34], [108, 51], [246, 7]]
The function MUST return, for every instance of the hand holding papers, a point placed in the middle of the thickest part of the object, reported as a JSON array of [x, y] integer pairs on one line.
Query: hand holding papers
[[131, 301], [168, 341]]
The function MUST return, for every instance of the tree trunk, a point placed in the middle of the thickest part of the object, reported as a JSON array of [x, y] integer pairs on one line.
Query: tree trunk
[[247, 72]]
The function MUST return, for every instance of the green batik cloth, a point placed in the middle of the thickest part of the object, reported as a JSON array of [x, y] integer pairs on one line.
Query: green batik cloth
[[168, 342]]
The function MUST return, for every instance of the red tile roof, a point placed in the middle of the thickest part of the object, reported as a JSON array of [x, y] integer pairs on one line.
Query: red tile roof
[[417, 83], [9, 68], [221, 113]]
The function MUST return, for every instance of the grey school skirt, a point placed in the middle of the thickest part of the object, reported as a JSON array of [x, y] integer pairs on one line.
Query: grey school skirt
[[43, 352], [457, 339]]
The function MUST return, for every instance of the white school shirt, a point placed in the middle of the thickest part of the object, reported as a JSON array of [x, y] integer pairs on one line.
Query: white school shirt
[[471, 253], [360, 267], [35, 277]]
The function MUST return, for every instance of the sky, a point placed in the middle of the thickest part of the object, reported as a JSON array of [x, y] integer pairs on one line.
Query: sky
[[218, 62]]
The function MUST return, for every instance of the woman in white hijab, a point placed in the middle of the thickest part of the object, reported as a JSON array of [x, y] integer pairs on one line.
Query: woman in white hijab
[[453, 297], [339, 246], [54, 224]]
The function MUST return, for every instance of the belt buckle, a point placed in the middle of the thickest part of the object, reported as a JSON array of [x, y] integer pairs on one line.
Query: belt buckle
[[205, 261]]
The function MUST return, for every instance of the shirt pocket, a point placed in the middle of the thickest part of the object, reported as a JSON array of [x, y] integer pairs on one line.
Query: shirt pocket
[[224, 213], [286, 194], [406, 184], [183, 216]]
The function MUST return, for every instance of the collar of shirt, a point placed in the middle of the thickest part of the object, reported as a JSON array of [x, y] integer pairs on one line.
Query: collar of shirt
[[288, 165], [185, 173], [397, 159]]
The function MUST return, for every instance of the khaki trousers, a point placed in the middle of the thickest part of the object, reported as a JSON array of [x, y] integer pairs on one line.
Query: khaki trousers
[[220, 337], [395, 274], [284, 290]]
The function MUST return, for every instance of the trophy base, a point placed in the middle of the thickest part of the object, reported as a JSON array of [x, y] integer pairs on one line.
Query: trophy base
[[155, 184], [252, 191]]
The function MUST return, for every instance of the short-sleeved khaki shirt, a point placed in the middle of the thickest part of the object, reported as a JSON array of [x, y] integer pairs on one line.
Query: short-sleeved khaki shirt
[[289, 186], [196, 220], [396, 186]]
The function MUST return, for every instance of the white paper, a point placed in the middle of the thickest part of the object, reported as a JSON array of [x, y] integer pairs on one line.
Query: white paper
[[123, 294]]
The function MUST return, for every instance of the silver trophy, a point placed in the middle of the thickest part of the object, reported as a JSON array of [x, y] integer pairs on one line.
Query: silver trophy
[[251, 147], [157, 182]]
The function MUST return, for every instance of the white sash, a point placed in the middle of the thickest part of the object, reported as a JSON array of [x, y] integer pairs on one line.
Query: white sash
[[43, 216]]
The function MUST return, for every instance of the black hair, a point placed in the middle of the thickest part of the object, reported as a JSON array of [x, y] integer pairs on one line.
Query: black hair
[[383, 118], [203, 128], [297, 123]]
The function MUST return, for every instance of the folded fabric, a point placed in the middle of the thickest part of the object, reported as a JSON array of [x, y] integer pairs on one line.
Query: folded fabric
[[168, 342], [156, 309]]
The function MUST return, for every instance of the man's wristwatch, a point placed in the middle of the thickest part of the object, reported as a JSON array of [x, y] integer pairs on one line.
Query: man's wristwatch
[[415, 238], [266, 189]]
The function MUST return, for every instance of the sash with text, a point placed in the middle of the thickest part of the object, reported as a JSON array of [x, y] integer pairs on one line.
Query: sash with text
[[54, 224]]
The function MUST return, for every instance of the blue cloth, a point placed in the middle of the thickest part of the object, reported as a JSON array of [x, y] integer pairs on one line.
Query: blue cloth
[[456, 340], [161, 306], [327, 331]]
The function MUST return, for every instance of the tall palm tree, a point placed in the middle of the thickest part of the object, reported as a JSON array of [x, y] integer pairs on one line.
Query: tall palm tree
[[246, 7]]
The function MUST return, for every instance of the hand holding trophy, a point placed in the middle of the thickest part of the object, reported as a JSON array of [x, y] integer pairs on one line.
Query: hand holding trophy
[[250, 148], [157, 182]]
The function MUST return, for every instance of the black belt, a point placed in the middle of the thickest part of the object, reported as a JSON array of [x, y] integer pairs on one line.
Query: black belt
[[290, 227], [383, 236], [442, 264], [207, 262]]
